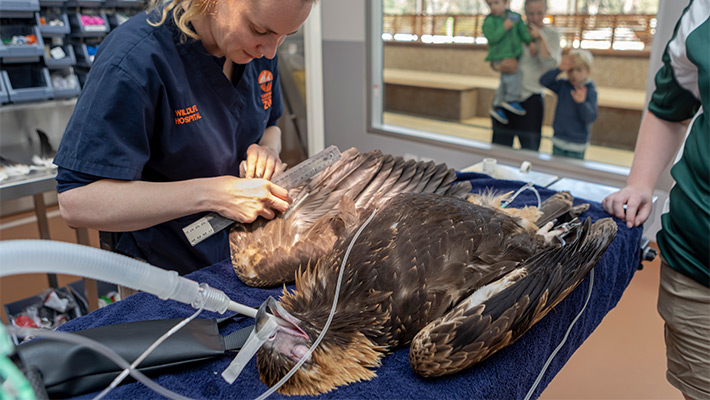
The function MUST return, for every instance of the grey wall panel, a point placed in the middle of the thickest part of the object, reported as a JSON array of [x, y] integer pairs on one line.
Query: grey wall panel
[[343, 20]]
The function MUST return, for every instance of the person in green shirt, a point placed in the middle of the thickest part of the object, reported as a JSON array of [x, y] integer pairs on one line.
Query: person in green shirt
[[505, 32], [676, 120]]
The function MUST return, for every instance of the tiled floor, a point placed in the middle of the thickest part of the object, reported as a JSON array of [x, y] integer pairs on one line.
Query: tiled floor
[[623, 359]]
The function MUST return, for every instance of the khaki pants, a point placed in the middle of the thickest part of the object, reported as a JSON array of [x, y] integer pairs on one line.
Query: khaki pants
[[685, 306]]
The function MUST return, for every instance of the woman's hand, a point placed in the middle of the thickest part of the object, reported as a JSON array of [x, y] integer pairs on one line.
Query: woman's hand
[[262, 162], [245, 200], [638, 204]]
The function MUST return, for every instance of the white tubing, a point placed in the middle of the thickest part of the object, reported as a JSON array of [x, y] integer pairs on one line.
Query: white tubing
[[47, 256]]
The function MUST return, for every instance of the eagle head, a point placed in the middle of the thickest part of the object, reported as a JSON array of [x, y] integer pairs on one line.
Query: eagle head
[[334, 362]]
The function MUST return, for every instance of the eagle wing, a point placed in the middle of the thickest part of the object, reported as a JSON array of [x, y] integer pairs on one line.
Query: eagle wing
[[498, 314], [328, 207]]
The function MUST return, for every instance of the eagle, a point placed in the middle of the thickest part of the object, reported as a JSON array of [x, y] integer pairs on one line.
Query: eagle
[[455, 278]]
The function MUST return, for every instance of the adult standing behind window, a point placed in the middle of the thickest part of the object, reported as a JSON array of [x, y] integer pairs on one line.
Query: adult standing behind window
[[175, 101], [541, 55]]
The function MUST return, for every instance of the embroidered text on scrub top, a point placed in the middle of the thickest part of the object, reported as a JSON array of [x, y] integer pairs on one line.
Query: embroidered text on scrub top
[[265, 78], [187, 115]]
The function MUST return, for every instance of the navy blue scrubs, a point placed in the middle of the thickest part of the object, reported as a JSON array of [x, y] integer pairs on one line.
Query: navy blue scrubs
[[158, 108]]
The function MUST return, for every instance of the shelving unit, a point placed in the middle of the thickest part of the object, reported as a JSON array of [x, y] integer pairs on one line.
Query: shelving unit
[[55, 13], [41, 73], [61, 51], [4, 98]]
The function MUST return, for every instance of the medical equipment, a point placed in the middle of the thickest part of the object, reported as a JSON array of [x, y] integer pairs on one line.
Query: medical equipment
[[213, 222], [32, 256]]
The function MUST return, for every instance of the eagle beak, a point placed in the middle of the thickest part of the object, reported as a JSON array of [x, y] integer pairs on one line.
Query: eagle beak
[[272, 308]]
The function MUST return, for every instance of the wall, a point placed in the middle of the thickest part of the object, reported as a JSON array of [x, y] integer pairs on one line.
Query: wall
[[613, 69]]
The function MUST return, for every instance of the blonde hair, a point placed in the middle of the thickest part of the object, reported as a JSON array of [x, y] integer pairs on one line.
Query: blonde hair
[[183, 12], [582, 57]]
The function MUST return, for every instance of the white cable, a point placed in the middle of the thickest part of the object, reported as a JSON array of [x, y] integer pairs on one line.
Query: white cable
[[152, 347], [101, 349], [564, 339], [528, 186], [330, 317]]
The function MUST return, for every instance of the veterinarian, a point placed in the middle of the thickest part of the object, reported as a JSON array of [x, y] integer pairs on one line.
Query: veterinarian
[[175, 101]]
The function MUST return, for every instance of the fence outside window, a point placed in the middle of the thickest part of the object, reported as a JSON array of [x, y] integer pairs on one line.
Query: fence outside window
[[623, 32]]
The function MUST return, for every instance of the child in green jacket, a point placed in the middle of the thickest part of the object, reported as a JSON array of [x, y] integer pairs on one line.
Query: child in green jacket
[[505, 32]]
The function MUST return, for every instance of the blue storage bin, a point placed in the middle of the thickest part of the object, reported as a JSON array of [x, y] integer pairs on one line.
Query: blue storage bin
[[18, 8], [65, 83], [52, 3], [85, 3], [80, 30], [27, 82], [3, 92], [83, 51], [114, 20], [16, 53], [48, 30], [73, 292], [79, 292], [125, 3], [68, 60], [81, 73]]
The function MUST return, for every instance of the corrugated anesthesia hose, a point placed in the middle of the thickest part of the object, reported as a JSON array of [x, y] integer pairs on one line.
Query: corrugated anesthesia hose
[[47, 256]]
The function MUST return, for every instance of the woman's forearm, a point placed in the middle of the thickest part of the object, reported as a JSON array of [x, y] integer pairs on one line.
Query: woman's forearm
[[272, 138], [543, 47], [117, 206]]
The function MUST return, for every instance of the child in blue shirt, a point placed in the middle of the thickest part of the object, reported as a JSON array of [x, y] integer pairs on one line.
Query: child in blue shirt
[[576, 104], [505, 32]]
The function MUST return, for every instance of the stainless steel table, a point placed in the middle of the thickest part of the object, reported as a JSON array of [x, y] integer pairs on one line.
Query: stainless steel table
[[35, 184]]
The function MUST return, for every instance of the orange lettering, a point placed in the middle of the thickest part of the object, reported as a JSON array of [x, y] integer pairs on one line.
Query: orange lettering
[[187, 115]]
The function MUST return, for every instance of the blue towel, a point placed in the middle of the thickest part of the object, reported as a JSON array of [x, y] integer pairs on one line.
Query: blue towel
[[508, 374]]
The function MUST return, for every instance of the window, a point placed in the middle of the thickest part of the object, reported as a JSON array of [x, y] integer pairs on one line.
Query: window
[[429, 79]]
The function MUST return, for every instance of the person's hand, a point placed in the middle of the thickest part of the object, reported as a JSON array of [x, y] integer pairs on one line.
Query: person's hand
[[567, 63], [508, 24], [638, 204], [261, 162], [534, 32], [245, 200], [579, 93], [532, 47], [507, 66]]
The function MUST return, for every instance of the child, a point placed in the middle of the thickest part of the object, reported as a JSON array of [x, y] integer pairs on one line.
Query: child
[[505, 30], [576, 104]]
